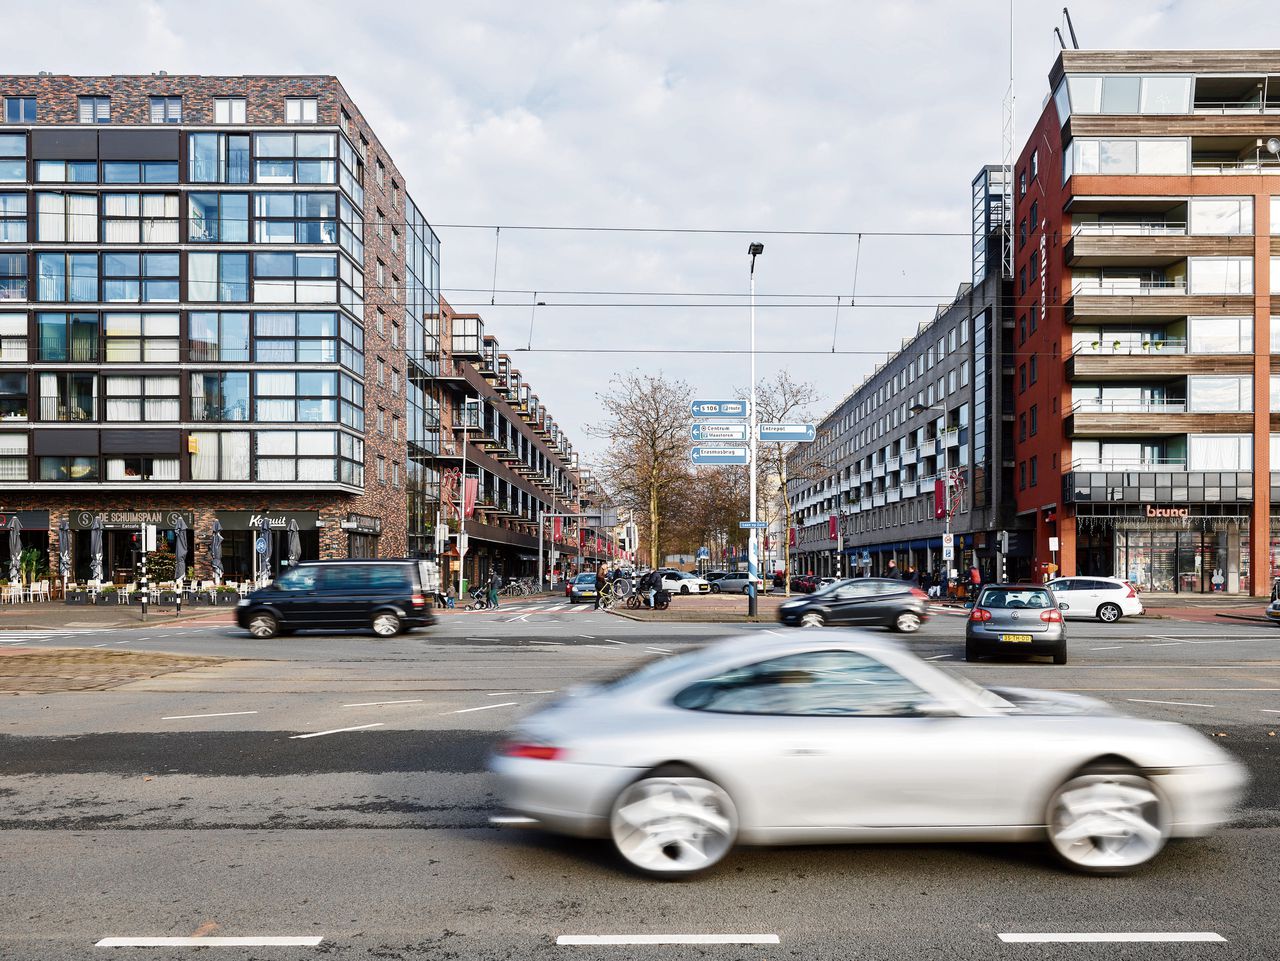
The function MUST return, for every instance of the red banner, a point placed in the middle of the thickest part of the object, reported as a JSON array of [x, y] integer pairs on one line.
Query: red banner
[[939, 498], [557, 526], [469, 499], [833, 527], [791, 536]]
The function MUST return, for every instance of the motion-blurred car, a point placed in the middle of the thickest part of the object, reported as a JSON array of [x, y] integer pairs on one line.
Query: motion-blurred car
[[1273, 611], [837, 737], [1020, 619], [582, 588], [1106, 598], [868, 601]]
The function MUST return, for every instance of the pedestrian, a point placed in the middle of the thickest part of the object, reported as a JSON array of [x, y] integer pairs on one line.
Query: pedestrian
[[913, 578], [601, 580], [892, 572], [495, 582], [451, 598], [975, 579]]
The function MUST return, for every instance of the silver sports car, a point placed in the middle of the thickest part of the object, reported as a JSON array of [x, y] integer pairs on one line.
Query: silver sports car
[[840, 737]]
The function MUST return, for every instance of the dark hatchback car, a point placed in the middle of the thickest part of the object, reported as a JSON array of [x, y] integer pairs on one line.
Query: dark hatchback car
[[1021, 619], [874, 601], [386, 597]]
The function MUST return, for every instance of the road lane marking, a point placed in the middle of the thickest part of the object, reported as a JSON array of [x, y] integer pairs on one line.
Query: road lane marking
[[1113, 648], [483, 707], [650, 650], [667, 939], [336, 730], [183, 717], [937, 657], [1144, 936], [1167, 644], [1268, 711], [655, 647], [612, 641], [1143, 700], [412, 700], [774, 633], [261, 942], [589, 637]]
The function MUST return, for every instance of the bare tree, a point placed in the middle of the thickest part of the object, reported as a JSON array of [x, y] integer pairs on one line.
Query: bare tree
[[780, 400], [647, 469]]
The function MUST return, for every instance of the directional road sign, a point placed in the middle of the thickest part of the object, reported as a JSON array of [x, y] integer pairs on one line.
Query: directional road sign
[[800, 433], [748, 525], [719, 455], [735, 409], [705, 431], [704, 553], [948, 553]]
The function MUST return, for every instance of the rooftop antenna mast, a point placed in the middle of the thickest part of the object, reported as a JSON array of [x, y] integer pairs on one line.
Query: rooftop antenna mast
[[1006, 221], [1075, 44]]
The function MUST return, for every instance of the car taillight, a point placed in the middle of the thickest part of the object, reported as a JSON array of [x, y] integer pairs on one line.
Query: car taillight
[[535, 752], [916, 592], [418, 600], [1132, 592], [1051, 616], [980, 614]]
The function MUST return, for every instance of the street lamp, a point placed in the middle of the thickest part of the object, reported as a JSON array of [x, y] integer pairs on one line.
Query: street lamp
[[754, 250]]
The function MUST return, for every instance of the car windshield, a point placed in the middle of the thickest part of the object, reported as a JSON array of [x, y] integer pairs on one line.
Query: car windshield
[[829, 588], [1000, 598], [651, 670], [584, 578]]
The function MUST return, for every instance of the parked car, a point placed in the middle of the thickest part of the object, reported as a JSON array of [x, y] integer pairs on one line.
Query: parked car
[[1015, 619], [386, 596], [1273, 611], [825, 582], [839, 737], [736, 583], [582, 588], [1106, 598], [804, 583], [682, 582], [712, 576], [869, 601]]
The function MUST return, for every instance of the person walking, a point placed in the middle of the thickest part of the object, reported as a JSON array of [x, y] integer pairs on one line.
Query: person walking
[[892, 572], [913, 578], [495, 582], [601, 580], [975, 579]]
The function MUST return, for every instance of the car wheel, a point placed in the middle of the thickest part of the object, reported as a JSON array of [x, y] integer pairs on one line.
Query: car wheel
[[1107, 819], [673, 823], [684, 589], [908, 622], [1060, 655], [263, 625], [1109, 613], [715, 588], [812, 619], [386, 624], [970, 652]]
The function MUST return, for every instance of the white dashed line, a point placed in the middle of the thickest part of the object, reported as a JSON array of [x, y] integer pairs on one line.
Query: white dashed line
[[336, 730], [208, 942], [412, 700], [1126, 936], [612, 641], [183, 717], [1115, 647], [1143, 700], [484, 707], [667, 939], [1268, 711], [937, 657]]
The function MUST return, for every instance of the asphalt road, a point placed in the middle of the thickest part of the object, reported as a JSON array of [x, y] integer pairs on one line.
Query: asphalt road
[[190, 805]]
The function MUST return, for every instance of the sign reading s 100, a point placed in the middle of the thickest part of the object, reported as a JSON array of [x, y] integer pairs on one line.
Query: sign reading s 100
[[719, 408]]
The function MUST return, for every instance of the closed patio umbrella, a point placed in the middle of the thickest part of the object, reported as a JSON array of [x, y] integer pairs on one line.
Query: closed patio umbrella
[[64, 549], [264, 559], [95, 549], [215, 551], [179, 550], [295, 544], [15, 547]]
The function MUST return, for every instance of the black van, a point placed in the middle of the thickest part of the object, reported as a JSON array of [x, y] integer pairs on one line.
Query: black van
[[385, 596]]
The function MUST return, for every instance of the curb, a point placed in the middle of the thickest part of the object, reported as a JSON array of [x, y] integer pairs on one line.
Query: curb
[[1244, 617]]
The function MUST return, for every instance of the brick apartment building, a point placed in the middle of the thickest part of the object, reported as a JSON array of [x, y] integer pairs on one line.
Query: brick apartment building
[[1147, 223], [217, 301]]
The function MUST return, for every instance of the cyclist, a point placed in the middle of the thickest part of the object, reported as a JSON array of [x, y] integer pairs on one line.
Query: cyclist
[[600, 582]]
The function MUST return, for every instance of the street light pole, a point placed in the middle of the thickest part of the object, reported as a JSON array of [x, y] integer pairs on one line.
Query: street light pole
[[753, 558]]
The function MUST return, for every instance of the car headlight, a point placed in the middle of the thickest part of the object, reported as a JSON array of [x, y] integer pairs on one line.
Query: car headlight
[[243, 602]]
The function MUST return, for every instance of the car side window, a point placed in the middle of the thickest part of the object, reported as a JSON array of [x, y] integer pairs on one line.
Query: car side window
[[298, 579], [818, 683], [388, 577], [848, 592], [347, 578]]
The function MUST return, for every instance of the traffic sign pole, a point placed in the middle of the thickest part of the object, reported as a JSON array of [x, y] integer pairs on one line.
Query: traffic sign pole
[[753, 565]]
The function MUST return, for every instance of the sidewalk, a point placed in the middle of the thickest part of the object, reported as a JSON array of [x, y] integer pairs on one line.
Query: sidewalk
[[55, 615], [709, 609], [57, 670]]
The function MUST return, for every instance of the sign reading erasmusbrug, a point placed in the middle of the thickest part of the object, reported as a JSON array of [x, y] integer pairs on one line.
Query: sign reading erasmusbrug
[[82, 520]]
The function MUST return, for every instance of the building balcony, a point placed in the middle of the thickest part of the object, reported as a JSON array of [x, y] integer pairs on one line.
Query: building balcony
[[910, 488], [1090, 249], [878, 500], [909, 456], [1127, 465], [1130, 287], [877, 469], [1088, 305], [1103, 405], [1153, 364], [892, 464], [1154, 423], [1169, 485]]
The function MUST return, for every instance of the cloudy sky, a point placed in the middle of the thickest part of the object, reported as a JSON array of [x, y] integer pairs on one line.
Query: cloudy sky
[[845, 115]]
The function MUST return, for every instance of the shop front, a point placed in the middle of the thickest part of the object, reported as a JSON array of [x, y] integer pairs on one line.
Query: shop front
[[240, 532], [121, 539], [34, 535]]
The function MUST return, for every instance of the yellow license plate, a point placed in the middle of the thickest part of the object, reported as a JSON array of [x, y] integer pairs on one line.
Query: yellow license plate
[[1015, 638]]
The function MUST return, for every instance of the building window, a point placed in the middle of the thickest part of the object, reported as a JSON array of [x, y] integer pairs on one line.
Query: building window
[[69, 218], [1035, 164], [1022, 475], [1035, 266], [140, 218], [1022, 281], [1022, 183], [1220, 275], [95, 110], [344, 121], [218, 218], [67, 338], [71, 278], [229, 109], [67, 171], [218, 277], [379, 172], [1022, 377], [139, 172], [382, 420], [166, 110], [304, 158], [1033, 366], [382, 372], [304, 455], [131, 338], [395, 335], [1219, 394], [352, 407], [218, 336], [13, 158], [13, 396], [1218, 452], [296, 218], [1022, 427], [1022, 233], [1232, 215], [286, 338], [301, 110], [298, 396], [1035, 420], [13, 457], [395, 474], [382, 469], [1034, 472], [13, 218], [218, 158], [20, 110], [220, 455], [68, 397], [1022, 329], [63, 469], [13, 338], [13, 277], [289, 278], [132, 398], [1220, 335], [395, 381], [146, 278], [1035, 216], [220, 397], [395, 428]]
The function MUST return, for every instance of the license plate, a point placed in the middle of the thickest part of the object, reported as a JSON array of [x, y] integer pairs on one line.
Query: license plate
[[1015, 638]]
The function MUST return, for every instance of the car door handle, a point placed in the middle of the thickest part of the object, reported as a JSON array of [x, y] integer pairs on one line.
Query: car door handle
[[804, 752]]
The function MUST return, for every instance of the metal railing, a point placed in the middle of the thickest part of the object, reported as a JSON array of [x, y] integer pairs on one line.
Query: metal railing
[[1101, 405], [1137, 286], [1128, 346], [1129, 464], [56, 408], [1128, 228], [1234, 167], [1231, 106]]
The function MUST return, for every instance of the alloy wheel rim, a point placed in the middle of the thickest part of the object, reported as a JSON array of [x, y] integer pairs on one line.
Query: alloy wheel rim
[[1107, 821], [384, 624], [811, 620], [908, 623], [1108, 613], [262, 626], [674, 824]]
